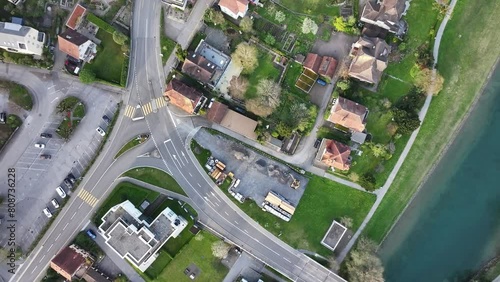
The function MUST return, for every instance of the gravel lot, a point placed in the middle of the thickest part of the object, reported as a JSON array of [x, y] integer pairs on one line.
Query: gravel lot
[[258, 174]]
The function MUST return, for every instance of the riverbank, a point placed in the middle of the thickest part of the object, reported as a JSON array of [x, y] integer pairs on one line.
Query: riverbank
[[470, 53]]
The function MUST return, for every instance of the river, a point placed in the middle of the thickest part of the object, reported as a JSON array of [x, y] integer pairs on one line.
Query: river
[[453, 224]]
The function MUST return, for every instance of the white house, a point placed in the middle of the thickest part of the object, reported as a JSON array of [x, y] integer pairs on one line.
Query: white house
[[16, 38], [234, 8]]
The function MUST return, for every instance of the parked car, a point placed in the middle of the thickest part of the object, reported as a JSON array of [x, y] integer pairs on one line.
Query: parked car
[[321, 82], [3, 118], [91, 234], [40, 145], [55, 203], [68, 183], [45, 157], [100, 131], [317, 143], [47, 212], [46, 135], [106, 119], [71, 178], [72, 65], [60, 192]]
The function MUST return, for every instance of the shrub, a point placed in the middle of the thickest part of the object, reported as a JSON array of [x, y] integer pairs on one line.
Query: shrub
[[87, 76], [309, 26], [279, 16], [100, 23], [269, 39], [119, 38]]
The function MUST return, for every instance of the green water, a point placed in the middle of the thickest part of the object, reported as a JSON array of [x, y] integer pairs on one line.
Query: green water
[[453, 224]]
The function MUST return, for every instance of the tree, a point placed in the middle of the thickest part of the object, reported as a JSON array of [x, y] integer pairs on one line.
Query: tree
[[283, 129], [238, 86], [279, 16], [406, 122], [309, 26], [347, 26], [379, 150], [346, 221], [343, 85], [269, 39], [267, 100], [245, 56], [215, 17], [87, 76], [220, 249], [367, 181], [354, 177], [363, 263], [179, 53], [246, 24], [119, 38], [411, 102], [425, 82]]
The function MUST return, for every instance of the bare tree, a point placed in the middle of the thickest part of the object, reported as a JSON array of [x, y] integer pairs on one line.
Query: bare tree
[[363, 264], [423, 80], [268, 98], [238, 86], [346, 221], [220, 249], [245, 56], [246, 24]]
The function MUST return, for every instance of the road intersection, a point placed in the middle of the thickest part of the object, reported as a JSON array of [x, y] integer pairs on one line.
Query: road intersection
[[216, 211]]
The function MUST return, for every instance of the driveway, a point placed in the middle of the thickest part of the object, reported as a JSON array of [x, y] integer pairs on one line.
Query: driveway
[[338, 46]]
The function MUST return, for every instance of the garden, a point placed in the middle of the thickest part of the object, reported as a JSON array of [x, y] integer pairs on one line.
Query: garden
[[73, 111]]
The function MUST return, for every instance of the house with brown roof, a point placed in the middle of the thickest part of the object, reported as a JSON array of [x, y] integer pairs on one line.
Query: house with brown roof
[[72, 262], [348, 114], [77, 45], [243, 125], [185, 97], [234, 8], [76, 17], [206, 64], [334, 154], [322, 65], [370, 59], [385, 14]]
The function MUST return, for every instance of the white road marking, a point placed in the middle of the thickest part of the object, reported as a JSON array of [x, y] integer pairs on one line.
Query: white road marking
[[287, 260], [50, 247], [65, 226], [34, 269], [198, 184], [57, 237], [190, 174], [226, 213], [245, 231], [41, 259], [236, 222]]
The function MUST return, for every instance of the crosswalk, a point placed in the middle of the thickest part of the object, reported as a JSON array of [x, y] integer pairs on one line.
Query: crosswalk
[[147, 108], [87, 197]]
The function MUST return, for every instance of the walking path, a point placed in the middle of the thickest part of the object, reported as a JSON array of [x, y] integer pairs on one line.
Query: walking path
[[382, 191]]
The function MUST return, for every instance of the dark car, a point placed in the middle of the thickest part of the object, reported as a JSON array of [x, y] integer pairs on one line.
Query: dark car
[[72, 65], [317, 143], [68, 184], [45, 157], [71, 178], [106, 119], [3, 117], [91, 234], [46, 135]]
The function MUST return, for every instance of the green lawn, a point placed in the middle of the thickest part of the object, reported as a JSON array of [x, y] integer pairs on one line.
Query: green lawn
[[122, 192], [291, 75], [312, 7], [199, 252], [131, 144], [83, 240], [155, 177], [464, 62], [167, 44], [8, 128], [108, 63], [265, 70], [158, 265], [322, 202], [73, 110], [18, 94], [79, 111]]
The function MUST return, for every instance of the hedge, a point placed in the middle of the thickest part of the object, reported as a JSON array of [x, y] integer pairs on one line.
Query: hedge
[[123, 78], [100, 23]]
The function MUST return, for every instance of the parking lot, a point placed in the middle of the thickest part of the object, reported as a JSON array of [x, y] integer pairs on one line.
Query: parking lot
[[258, 174]]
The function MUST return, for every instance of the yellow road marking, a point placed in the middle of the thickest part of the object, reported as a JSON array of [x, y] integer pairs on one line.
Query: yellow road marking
[[129, 111]]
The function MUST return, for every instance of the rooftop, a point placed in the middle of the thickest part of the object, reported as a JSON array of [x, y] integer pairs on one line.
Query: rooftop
[[76, 16]]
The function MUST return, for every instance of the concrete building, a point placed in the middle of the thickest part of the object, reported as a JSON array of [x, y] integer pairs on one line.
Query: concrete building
[[179, 4], [77, 45], [221, 114], [135, 239], [15, 2], [72, 262], [385, 14], [234, 8], [20, 39], [206, 64]]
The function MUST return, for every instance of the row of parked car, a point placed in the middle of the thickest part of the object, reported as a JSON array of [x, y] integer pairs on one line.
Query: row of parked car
[[69, 182], [41, 145]]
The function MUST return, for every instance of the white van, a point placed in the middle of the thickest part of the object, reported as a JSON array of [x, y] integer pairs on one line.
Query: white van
[[47, 212], [40, 145], [61, 192], [236, 183], [55, 203]]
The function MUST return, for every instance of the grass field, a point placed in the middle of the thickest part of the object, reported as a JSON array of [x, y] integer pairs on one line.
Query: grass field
[[322, 202], [312, 7], [199, 252], [155, 177], [108, 63], [122, 192], [18, 94], [265, 70], [465, 62]]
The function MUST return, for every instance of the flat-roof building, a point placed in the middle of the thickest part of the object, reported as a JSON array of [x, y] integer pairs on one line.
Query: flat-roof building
[[134, 238], [16, 38]]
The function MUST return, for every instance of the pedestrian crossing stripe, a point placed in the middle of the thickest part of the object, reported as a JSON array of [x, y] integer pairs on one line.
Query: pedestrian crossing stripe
[[160, 102], [129, 111], [88, 198], [147, 109]]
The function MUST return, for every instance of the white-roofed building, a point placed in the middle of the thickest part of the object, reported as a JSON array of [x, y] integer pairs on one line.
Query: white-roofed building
[[16, 38]]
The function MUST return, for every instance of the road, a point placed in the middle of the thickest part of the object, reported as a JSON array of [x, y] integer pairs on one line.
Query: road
[[423, 112], [215, 210]]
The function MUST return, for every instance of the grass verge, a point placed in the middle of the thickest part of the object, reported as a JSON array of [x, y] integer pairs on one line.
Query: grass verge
[[167, 44], [136, 141], [465, 69], [155, 177], [18, 94]]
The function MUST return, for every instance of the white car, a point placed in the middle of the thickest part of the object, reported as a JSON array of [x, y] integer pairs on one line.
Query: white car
[[55, 203], [100, 131], [40, 145], [47, 212], [61, 192]]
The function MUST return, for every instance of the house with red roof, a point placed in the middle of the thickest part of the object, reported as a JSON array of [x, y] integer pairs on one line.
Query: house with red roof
[[322, 65], [76, 45], [334, 154], [234, 8], [76, 17], [72, 262], [185, 97]]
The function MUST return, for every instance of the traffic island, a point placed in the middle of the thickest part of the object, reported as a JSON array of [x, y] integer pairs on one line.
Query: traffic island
[[73, 110], [136, 141]]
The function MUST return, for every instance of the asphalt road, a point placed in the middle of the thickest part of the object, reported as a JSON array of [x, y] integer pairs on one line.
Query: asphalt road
[[215, 210]]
